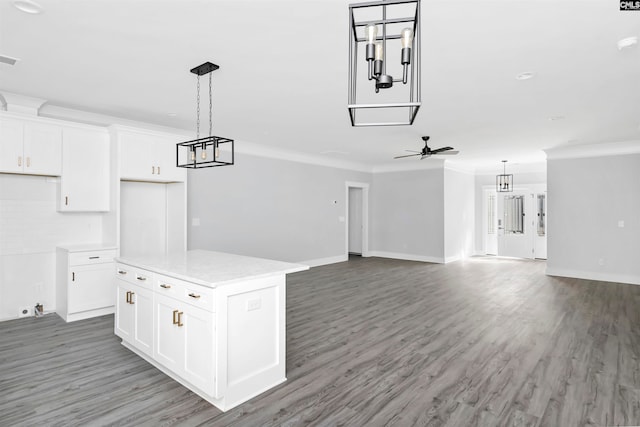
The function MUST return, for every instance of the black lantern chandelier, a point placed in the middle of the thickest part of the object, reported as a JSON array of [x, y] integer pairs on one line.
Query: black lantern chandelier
[[387, 35], [209, 151], [504, 182]]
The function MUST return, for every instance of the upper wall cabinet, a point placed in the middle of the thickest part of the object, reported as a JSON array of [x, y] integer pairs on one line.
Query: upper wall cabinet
[[30, 147], [146, 156], [84, 185]]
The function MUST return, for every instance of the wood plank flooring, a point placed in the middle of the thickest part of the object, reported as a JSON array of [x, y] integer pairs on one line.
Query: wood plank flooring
[[370, 342]]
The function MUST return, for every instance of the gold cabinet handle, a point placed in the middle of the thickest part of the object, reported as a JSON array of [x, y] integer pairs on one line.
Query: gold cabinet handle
[[19, 160], [153, 170], [122, 272], [175, 312], [180, 319], [141, 278], [66, 200], [165, 286], [192, 295], [128, 297], [131, 301], [28, 162], [158, 170]]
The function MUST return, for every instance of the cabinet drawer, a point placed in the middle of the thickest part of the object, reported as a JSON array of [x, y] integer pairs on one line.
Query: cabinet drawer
[[190, 293], [134, 275], [91, 257]]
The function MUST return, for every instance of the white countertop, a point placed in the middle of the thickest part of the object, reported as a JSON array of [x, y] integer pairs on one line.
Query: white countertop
[[211, 269], [85, 247]]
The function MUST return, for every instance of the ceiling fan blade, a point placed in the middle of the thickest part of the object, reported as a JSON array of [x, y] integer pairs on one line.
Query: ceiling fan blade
[[412, 151], [447, 153], [425, 156], [439, 150], [408, 155]]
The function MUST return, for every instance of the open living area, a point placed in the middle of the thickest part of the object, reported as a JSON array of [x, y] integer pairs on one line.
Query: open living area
[[419, 213]]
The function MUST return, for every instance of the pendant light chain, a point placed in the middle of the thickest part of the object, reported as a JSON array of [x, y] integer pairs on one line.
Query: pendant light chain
[[198, 114], [210, 108]]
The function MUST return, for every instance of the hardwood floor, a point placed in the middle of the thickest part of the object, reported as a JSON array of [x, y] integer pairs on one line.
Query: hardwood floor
[[370, 342]]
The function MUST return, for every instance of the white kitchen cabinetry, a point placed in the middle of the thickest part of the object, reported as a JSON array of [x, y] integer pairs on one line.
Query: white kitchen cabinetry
[[185, 337], [218, 321], [85, 284], [84, 185], [134, 308], [146, 156], [30, 147]]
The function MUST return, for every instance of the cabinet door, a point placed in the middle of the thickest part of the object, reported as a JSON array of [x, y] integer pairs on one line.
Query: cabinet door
[[42, 149], [149, 158], [91, 287], [166, 160], [136, 156], [143, 305], [84, 185], [11, 143], [169, 333], [125, 314], [199, 340]]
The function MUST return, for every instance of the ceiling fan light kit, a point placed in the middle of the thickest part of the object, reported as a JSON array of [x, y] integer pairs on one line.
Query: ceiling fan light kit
[[210, 151], [389, 29], [504, 181]]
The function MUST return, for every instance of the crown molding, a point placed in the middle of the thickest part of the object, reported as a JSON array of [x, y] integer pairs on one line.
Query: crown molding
[[408, 165], [580, 151]]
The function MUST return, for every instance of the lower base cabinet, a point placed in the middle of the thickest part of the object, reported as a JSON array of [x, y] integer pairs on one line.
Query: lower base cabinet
[[134, 316], [185, 342]]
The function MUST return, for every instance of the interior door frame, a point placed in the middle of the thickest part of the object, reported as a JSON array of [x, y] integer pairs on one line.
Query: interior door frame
[[364, 186]]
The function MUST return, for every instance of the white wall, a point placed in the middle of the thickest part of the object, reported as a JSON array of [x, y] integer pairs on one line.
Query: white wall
[[587, 197], [270, 208], [458, 215], [408, 215], [30, 229]]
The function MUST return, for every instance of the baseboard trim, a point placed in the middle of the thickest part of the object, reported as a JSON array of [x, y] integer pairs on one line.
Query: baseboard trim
[[449, 259], [407, 257], [591, 275], [324, 261]]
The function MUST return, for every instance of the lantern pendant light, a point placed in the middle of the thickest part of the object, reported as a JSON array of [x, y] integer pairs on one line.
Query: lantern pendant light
[[209, 151], [504, 182]]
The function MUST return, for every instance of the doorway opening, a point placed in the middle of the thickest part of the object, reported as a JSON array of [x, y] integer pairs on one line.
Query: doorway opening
[[357, 219], [514, 224]]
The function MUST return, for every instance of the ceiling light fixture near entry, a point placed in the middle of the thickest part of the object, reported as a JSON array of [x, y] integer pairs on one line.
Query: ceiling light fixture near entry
[[209, 151], [28, 6], [504, 182], [627, 42]]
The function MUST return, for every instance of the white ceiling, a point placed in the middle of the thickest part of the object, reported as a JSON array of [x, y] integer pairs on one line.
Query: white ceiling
[[283, 72]]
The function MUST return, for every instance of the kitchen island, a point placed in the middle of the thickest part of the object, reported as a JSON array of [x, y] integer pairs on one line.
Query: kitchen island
[[214, 322]]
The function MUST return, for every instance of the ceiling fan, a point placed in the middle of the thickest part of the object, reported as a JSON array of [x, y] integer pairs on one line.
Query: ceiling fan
[[428, 152]]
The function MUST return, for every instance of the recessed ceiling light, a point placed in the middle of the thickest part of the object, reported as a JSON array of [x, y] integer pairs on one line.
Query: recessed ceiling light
[[172, 114], [524, 76], [555, 118], [627, 42], [28, 6]]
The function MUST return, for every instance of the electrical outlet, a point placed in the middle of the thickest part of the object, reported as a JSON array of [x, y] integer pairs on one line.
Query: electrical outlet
[[25, 312]]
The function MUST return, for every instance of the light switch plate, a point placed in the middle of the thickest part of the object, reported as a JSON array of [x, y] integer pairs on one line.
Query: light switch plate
[[621, 223], [195, 222]]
